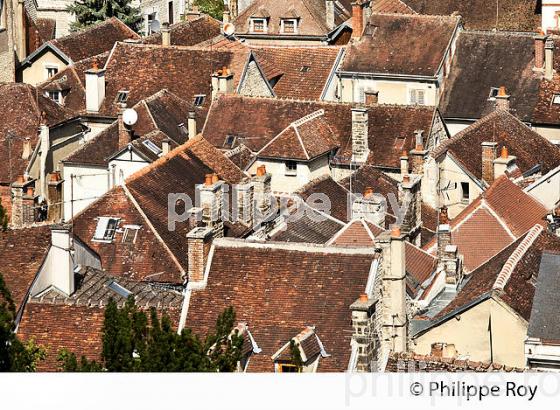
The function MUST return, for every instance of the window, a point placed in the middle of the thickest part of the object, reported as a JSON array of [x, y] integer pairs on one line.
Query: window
[[258, 25], [288, 26], [493, 93], [305, 69], [170, 12], [417, 97], [56, 96], [288, 368], [556, 99], [106, 229], [51, 71], [465, 188], [152, 147], [130, 234], [122, 97], [229, 141], [119, 290], [291, 168], [151, 19], [199, 100]]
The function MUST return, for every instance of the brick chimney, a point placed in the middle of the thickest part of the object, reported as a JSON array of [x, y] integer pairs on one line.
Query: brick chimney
[[61, 258], [262, 193], [502, 99], [191, 125], [125, 132], [503, 163], [488, 156], [95, 88], [199, 241], [418, 154], [539, 40], [549, 59], [222, 82], [330, 13], [165, 35], [372, 97], [357, 18], [371, 207], [360, 131], [54, 195], [212, 202]]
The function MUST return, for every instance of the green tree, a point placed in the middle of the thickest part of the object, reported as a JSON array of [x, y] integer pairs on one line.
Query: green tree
[[15, 356], [90, 12], [224, 346], [214, 8], [3, 218]]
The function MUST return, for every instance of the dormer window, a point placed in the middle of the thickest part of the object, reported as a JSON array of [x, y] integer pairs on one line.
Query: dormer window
[[199, 100], [122, 97], [229, 142], [289, 26], [301, 354], [493, 93], [556, 99], [259, 25]]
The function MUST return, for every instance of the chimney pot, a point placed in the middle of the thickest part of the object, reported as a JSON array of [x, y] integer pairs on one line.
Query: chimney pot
[[443, 216], [368, 192], [504, 154], [395, 231], [215, 178], [406, 178], [261, 170], [29, 191], [208, 179], [364, 298]]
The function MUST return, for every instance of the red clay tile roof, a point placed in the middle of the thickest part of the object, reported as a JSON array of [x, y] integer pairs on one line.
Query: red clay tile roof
[[298, 286], [369, 177], [21, 106], [527, 146], [299, 72], [46, 28], [421, 41], [337, 194], [512, 15], [412, 363], [189, 32], [546, 111], [391, 6], [94, 40], [23, 252]]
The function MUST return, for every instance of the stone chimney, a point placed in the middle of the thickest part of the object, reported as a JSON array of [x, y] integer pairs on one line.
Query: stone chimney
[[363, 325], [165, 35], [62, 260], [45, 145], [372, 97], [503, 163], [191, 125], [222, 82], [165, 146], [95, 88], [371, 207], [539, 40], [447, 257], [360, 131], [23, 203], [243, 205], [502, 99], [488, 156], [357, 18], [199, 241], [418, 154], [212, 203], [404, 164], [262, 193], [125, 132], [410, 189], [193, 13], [330, 13], [549, 59], [54, 195], [27, 150]]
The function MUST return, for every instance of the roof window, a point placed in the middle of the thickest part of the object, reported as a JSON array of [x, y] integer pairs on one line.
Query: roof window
[[152, 147], [119, 290], [130, 234], [106, 229], [199, 100], [556, 99], [493, 93], [305, 69], [229, 142], [122, 97]]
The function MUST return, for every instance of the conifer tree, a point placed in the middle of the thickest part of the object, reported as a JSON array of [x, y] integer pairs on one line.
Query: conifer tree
[[90, 12]]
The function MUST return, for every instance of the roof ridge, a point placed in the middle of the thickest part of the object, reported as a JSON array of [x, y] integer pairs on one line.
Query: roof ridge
[[515, 257], [418, 15], [308, 117]]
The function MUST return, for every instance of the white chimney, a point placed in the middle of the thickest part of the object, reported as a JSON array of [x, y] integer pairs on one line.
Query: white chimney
[[330, 11], [371, 207], [222, 82], [360, 128], [44, 135], [165, 35], [95, 88], [61, 260], [165, 146], [212, 202], [191, 125], [549, 59], [503, 163]]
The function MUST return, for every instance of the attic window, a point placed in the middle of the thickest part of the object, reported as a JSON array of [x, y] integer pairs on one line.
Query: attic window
[[198, 100], [493, 93], [258, 25], [288, 368], [130, 234], [106, 229], [118, 289], [152, 147], [556, 99], [291, 168], [289, 26], [305, 69], [122, 97], [229, 141]]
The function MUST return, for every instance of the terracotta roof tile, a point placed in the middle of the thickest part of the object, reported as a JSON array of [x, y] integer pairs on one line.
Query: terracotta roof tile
[[413, 363], [46, 28], [391, 6], [189, 32]]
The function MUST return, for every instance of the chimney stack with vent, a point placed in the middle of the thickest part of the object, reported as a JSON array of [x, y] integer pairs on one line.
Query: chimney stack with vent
[[357, 18], [23, 203], [212, 202], [410, 189], [360, 131], [95, 88], [165, 35], [363, 327], [199, 241], [243, 205], [419, 153], [540, 40], [222, 82], [502, 99], [371, 207], [489, 153], [226, 16], [191, 125], [549, 59], [503, 163]]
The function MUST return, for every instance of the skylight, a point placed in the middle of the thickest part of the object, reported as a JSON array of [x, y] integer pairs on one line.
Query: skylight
[[152, 147], [122, 97], [556, 99], [106, 229], [118, 289], [199, 100], [493, 93]]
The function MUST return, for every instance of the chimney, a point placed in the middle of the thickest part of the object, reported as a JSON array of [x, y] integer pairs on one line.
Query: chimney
[[488, 156], [243, 206], [404, 164], [193, 13], [54, 195], [360, 131], [191, 125], [62, 261], [502, 99], [503, 163], [330, 13], [448, 258], [234, 8], [165, 35], [199, 241], [23, 203], [95, 88], [410, 189], [418, 154], [44, 136], [372, 97], [262, 194], [357, 19], [371, 207], [363, 328], [443, 216], [125, 132], [222, 82], [27, 151], [165, 146], [539, 40], [212, 203], [226, 16], [549, 59]]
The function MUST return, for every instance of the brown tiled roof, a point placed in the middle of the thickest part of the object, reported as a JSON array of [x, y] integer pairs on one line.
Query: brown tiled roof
[[298, 72], [493, 221], [547, 112], [189, 32], [311, 14], [412, 363], [94, 40], [46, 28], [337, 194], [369, 177], [21, 106], [391, 6], [23, 252], [391, 127], [527, 146], [486, 60], [512, 15], [298, 286], [421, 42]]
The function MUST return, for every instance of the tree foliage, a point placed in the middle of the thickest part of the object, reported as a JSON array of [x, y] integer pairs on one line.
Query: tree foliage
[[15, 356], [134, 341], [214, 8], [90, 12]]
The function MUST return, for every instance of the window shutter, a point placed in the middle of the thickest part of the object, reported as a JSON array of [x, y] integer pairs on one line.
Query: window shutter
[[412, 96], [421, 100]]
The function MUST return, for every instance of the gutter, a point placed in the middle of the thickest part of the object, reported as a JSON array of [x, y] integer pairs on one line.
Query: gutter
[[413, 77]]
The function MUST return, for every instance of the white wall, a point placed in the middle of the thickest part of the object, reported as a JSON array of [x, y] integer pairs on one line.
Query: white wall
[[90, 183], [452, 173], [56, 9], [124, 166], [549, 9], [454, 127], [546, 189]]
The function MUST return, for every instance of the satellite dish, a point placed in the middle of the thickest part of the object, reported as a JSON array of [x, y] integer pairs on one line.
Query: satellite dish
[[229, 29], [155, 26], [130, 117]]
